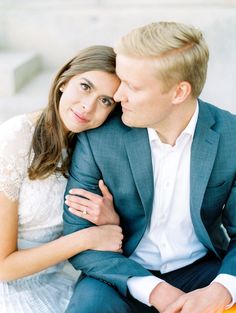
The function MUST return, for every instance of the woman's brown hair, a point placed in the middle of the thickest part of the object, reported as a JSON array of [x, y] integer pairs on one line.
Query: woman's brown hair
[[49, 137]]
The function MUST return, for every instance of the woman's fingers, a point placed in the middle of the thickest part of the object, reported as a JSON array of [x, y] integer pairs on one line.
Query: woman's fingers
[[92, 196], [85, 214], [81, 211], [77, 202], [98, 209], [105, 191], [84, 193]]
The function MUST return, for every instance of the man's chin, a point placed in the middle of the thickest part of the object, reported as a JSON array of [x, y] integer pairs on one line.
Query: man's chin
[[126, 121]]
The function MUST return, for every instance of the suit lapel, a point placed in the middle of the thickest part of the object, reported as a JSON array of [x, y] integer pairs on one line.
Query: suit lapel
[[139, 156], [203, 153]]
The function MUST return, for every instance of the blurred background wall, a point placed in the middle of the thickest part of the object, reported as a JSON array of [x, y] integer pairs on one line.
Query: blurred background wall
[[37, 37]]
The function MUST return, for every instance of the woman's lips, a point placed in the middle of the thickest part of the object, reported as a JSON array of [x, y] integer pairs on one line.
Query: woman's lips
[[80, 117]]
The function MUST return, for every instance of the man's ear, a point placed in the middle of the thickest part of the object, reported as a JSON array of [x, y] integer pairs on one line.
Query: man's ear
[[182, 91]]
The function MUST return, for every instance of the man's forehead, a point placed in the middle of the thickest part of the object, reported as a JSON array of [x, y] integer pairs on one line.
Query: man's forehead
[[128, 66]]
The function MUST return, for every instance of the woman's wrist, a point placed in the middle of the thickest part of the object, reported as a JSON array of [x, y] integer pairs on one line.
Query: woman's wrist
[[88, 237]]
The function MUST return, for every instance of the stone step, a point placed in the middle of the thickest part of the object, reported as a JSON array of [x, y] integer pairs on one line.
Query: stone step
[[31, 97], [17, 68]]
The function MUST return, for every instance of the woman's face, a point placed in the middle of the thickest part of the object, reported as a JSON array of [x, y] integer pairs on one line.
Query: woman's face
[[87, 100]]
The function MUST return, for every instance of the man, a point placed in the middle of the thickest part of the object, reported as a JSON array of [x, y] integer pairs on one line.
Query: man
[[172, 171]]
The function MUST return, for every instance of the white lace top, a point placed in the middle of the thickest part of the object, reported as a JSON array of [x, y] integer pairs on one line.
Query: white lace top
[[40, 221], [40, 201]]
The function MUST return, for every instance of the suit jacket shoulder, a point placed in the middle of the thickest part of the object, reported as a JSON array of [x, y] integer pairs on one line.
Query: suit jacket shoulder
[[223, 121]]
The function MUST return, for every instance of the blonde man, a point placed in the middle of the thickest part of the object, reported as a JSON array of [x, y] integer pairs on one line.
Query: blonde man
[[171, 169]]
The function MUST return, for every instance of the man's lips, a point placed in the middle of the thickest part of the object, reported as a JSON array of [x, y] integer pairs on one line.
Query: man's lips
[[125, 108]]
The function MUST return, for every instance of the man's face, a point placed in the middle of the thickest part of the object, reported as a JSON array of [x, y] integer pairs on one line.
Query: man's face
[[144, 104]]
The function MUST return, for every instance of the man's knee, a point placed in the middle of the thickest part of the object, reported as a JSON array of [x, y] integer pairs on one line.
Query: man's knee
[[93, 296]]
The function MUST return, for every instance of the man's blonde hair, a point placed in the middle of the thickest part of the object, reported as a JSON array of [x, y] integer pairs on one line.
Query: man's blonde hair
[[180, 52]]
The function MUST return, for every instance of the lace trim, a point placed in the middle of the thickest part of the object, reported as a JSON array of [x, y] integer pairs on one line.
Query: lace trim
[[15, 140]]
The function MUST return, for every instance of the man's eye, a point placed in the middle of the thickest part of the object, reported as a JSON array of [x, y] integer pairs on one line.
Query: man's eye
[[85, 86]]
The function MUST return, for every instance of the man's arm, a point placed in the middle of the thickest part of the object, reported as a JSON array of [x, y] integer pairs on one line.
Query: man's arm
[[113, 268]]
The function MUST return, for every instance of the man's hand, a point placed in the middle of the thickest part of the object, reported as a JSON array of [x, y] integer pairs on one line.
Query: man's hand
[[211, 299], [163, 295]]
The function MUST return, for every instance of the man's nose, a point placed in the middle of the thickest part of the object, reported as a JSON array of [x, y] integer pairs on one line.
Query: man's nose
[[119, 94]]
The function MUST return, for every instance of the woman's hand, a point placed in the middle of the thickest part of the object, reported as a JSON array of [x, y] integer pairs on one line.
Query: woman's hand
[[97, 209], [105, 238]]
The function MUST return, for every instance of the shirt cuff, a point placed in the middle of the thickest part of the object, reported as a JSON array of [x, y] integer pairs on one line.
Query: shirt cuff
[[229, 282], [140, 288]]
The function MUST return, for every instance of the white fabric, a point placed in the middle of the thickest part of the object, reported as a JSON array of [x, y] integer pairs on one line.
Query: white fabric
[[40, 221], [229, 282], [141, 287], [170, 241]]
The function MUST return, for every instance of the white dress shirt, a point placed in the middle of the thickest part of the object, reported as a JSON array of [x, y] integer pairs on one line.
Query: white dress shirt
[[170, 242]]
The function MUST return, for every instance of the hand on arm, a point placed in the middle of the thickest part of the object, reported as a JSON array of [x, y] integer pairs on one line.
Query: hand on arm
[[105, 238], [211, 299], [94, 208], [163, 295], [16, 263], [114, 268]]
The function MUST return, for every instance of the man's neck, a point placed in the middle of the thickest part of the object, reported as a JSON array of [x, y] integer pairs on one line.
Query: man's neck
[[178, 121]]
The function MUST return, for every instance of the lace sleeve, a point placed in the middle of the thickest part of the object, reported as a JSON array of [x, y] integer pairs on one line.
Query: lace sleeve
[[15, 139]]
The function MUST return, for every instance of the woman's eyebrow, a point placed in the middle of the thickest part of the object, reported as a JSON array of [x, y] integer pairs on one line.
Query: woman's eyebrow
[[110, 98], [88, 82], [93, 86]]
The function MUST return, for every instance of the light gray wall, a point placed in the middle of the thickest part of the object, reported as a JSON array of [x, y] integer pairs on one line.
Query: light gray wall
[[58, 28]]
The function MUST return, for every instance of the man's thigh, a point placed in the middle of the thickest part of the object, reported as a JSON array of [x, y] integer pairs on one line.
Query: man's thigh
[[196, 275], [93, 296]]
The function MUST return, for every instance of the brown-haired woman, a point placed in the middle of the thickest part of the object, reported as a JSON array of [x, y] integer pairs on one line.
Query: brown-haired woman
[[35, 151]]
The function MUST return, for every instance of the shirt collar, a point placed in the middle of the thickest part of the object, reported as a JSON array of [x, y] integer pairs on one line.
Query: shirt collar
[[190, 128]]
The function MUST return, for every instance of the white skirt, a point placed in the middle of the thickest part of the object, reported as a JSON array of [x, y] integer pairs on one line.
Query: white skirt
[[45, 292]]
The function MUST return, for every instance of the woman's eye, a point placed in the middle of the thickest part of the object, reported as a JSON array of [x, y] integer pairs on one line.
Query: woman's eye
[[85, 86], [106, 101]]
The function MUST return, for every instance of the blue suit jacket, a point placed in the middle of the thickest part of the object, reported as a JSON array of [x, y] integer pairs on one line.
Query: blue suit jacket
[[122, 157]]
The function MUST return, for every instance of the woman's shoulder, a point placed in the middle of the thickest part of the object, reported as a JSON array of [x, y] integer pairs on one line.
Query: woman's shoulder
[[16, 131], [16, 123]]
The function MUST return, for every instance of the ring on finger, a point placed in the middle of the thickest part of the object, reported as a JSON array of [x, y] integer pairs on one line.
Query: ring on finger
[[84, 212]]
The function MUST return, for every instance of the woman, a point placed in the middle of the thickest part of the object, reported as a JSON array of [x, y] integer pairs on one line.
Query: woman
[[35, 151]]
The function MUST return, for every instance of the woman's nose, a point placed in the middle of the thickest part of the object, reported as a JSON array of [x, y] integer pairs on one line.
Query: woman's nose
[[87, 105]]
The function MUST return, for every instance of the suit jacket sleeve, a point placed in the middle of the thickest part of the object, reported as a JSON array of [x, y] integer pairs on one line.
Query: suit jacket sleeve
[[112, 268], [229, 222]]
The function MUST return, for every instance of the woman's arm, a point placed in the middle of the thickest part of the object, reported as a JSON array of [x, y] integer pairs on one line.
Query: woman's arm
[[15, 264]]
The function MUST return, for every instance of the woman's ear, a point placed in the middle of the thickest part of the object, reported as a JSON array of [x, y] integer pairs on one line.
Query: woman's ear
[[182, 91], [62, 88]]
